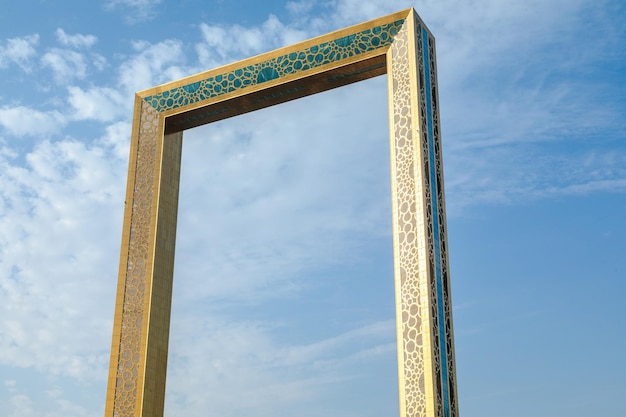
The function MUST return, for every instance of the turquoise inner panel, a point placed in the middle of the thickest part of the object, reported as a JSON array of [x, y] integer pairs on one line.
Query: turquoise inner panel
[[435, 217]]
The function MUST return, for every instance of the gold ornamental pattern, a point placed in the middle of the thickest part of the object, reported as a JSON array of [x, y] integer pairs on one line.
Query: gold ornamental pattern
[[407, 225], [426, 368], [425, 158], [138, 265], [441, 213]]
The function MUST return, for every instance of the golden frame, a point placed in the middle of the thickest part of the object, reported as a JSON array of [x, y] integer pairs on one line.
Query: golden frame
[[399, 45]]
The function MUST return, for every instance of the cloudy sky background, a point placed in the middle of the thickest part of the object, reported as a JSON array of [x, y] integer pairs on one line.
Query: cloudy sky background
[[283, 300]]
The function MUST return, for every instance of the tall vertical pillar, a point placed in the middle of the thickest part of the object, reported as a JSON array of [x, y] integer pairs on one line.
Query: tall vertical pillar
[[426, 368], [138, 364]]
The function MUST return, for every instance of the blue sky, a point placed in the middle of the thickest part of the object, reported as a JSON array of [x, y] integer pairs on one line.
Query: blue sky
[[283, 296]]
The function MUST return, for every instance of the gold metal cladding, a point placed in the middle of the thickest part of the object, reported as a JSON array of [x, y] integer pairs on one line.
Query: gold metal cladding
[[399, 45]]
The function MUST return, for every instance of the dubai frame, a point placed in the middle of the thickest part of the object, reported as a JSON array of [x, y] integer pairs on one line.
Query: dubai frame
[[399, 45]]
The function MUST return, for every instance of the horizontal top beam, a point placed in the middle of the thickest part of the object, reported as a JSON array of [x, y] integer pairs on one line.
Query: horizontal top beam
[[318, 64]]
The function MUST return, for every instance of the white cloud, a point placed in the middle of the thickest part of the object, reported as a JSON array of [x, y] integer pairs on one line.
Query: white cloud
[[300, 7], [338, 348], [501, 102], [511, 174], [19, 51], [269, 200], [117, 136], [265, 201], [50, 403], [99, 61], [21, 406], [65, 64], [154, 64], [268, 186], [62, 407], [137, 10], [222, 44], [75, 41], [25, 121], [51, 245], [241, 367], [98, 103]]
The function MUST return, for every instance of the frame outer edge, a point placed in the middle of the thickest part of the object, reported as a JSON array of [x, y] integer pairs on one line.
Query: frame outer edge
[[396, 243], [274, 53], [141, 382], [123, 264], [443, 208], [425, 278]]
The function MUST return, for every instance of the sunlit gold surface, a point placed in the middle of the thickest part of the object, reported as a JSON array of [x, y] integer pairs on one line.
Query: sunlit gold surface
[[138, 364]]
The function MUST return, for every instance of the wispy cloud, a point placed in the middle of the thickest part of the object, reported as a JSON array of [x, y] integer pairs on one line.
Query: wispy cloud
[[48, 253], [65, 64], [222, 44], [24, 121], [76, 40], [152, 64], [135, 10], [51, 403], [260, 207], [274, 199], [19, 51], [103, 104], [269, 376]]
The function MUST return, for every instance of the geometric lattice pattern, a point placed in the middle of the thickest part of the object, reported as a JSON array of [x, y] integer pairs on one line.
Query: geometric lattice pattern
[[276, 67], [399, 45]]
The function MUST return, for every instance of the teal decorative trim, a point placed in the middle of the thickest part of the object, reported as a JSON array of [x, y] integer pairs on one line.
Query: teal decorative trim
[[292, 63]]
